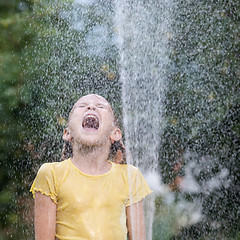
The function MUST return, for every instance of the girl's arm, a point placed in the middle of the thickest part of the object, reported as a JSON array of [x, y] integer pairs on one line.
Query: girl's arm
[[45, 217], [135, 222]]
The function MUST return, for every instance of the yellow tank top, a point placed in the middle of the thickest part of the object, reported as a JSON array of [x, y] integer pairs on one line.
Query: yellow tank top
[[90, 207]]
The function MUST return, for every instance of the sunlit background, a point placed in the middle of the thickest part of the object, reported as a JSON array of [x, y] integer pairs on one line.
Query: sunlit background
[[179, 59]]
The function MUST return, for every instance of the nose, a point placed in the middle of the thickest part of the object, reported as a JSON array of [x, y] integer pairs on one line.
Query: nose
[[91, 107]]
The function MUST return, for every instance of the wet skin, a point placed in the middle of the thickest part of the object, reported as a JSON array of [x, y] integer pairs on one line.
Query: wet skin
[[96, 107]]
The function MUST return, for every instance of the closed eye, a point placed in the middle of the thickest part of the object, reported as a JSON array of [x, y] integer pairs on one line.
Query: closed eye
[[101, 106], [82, 105]]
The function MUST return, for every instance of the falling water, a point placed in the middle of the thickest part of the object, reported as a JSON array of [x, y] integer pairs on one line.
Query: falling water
[[143, 29]]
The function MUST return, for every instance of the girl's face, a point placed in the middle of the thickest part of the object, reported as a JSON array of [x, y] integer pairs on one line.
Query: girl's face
[[91, 121]]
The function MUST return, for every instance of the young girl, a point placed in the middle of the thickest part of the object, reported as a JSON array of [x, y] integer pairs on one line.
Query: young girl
[[90, 196]]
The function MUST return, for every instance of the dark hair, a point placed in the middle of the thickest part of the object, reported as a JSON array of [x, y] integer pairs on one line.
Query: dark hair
[[67, 150], [117, 151]]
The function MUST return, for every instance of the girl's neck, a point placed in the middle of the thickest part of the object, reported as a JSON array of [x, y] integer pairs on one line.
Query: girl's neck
[[91, 160]]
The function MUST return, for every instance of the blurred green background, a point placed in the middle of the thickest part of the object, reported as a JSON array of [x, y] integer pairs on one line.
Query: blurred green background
[[37, 52]]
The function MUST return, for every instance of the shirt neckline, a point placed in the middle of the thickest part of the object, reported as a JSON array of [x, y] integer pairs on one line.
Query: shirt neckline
[[88, 175]]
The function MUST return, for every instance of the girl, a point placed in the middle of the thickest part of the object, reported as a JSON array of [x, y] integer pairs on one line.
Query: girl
[[90, 196]]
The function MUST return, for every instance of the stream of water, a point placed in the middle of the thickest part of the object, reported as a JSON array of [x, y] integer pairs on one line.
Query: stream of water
[[143, 29]]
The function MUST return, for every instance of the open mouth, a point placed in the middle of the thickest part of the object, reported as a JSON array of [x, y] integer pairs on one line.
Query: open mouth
[[90, 121]]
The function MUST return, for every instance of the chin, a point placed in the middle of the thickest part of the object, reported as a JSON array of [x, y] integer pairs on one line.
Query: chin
[[90, 138], [89, 141]]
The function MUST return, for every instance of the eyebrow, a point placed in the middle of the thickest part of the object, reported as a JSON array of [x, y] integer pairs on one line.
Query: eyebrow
[[81, 103], [105, 104]]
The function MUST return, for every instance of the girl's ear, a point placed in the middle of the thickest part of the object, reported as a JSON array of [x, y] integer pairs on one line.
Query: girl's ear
[[67, 135], [116, 135]]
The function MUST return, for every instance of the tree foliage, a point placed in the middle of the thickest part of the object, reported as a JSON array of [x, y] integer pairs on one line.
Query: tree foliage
[[202, 108], [14, 98]]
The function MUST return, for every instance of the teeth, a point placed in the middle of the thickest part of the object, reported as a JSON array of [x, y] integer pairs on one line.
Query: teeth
[[90, 121], [92, 116]]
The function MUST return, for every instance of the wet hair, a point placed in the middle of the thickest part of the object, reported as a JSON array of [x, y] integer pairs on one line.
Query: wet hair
[[117, 151], [67, 151]]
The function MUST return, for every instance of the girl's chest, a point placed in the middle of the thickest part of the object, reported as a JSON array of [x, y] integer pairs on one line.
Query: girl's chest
[[82, 193]]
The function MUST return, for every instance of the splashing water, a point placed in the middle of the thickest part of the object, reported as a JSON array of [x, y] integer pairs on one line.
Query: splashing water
[[143, 29]]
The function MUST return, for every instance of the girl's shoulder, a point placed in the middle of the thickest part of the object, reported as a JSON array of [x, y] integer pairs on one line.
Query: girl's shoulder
[[126, 168], [50, 168]]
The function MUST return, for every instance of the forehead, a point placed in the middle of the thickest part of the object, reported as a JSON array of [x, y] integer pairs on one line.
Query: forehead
[[92, 98]]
